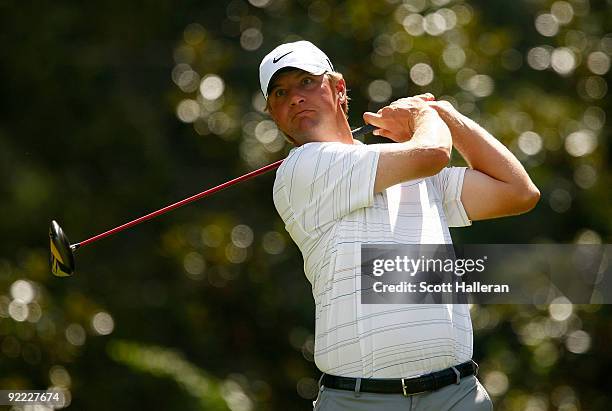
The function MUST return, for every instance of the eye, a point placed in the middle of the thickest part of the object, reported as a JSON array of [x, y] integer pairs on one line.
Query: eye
[[307, 80], [279, 92]]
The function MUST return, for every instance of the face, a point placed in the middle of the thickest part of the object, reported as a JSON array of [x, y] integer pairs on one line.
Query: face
[[304, 105]]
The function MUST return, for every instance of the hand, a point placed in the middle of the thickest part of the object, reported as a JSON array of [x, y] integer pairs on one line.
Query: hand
[[444, 108], [397, 120]]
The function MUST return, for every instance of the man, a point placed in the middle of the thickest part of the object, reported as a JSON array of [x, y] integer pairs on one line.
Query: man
[[336, 194]]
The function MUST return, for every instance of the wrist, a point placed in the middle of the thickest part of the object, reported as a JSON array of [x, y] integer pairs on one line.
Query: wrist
[[449, 113], [423, 116]]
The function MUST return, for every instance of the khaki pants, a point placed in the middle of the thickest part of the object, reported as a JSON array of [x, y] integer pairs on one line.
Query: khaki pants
[[468, 395]]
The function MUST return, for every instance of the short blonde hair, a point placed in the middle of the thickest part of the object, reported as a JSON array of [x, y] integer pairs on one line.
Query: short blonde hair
[[334, 78]]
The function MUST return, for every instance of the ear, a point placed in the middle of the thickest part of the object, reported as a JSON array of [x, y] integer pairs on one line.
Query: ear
[[341, 90]]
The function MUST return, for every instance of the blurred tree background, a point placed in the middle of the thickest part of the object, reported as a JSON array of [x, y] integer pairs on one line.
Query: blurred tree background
[[113, 109]]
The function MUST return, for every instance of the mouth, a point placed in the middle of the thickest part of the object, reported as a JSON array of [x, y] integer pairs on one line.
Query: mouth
[[301, 113]]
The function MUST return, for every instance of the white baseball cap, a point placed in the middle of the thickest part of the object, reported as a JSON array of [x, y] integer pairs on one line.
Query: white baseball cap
[[300, 54]]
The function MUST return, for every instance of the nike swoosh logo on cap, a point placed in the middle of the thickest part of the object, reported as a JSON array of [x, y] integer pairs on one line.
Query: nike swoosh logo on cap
[[277, 59]]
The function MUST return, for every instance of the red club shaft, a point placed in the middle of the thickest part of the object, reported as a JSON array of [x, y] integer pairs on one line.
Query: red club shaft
[[368, 128], [178, 204]]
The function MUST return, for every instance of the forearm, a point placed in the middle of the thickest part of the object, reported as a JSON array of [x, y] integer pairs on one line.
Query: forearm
[[427, 150], [430, 131], [422, 150], [483, 152]]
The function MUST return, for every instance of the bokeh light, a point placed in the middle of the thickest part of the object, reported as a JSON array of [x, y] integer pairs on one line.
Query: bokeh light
[[413, 24], [307, 388], [220, 123], [547, 24], [235, 254], [103, 323], [194, 34], [481, 85], [562, 11], [535, 75], [530, 143], [585, 176], [594, 117], [18, 310], [421, 74], [251, 39], [188, 81], [212, 87], [260, 3], [563, 60], [212, 235], [194, 265], [581, 143], [273, 242], [266, 131], [434, 24], [598, 62], [75, 334], [546, 354], [587, 236], [59, 376], [188, 110], [578, 342], [560, 200], [539, 57], [23, 291], [560, 309], [242, 236], [496, 383], [592, 87], [453, 56], [379, 91]]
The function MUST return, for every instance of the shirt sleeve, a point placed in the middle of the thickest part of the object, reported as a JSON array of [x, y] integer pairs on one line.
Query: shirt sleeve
[[323, 182], [449, 183]]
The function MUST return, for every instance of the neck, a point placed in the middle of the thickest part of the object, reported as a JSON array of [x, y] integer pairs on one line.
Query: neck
[[339, 132]]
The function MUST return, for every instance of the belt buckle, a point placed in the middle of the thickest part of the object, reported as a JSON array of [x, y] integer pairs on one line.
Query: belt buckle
[[406, 394]]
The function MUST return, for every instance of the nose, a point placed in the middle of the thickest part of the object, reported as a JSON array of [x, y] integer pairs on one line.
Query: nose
[[295, 97]]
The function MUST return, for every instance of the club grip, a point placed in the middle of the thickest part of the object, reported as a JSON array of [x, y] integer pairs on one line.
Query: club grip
[[363, 130]]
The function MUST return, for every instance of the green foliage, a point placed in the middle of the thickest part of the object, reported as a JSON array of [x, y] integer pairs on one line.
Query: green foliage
[[163, 362], [111, 110]]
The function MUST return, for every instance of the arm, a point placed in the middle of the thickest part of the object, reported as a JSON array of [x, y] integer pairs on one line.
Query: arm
[[496, 184], [424, 142]]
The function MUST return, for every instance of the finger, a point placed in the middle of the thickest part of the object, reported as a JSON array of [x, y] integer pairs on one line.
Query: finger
[[439, 105], [384, 133], [412, 101], [426, 97], [373, 118], [403, 101], [434, 105]]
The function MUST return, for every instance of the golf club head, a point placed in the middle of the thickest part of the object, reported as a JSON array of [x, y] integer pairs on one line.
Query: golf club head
[[62, 259]]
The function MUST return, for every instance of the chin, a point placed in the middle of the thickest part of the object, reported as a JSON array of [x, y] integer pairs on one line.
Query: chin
[[309, 131]]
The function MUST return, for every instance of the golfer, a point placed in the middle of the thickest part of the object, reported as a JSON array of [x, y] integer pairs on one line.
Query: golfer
[[335, 194]]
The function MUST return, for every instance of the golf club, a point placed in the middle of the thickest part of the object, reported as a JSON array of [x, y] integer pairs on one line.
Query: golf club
[[62, 252]]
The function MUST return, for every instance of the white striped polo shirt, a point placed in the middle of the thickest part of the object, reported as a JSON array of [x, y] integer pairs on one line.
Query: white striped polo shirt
[[324, 192]]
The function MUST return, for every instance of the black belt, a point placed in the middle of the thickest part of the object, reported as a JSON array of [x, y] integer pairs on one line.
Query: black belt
[[406, 386]]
